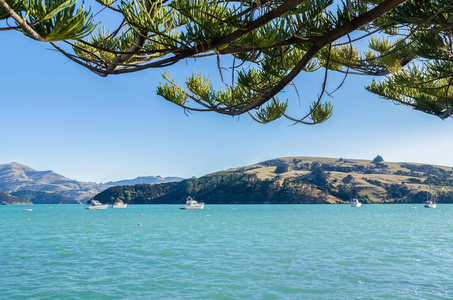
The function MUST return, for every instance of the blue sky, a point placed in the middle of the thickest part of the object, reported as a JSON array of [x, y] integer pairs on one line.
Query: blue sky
[[56, 115]]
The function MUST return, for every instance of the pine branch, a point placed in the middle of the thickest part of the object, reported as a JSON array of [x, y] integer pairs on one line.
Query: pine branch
[[330, 37], [22, 23]]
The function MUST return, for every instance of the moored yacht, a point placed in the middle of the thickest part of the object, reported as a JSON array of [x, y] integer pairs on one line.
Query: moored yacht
[[96, 205], [431, 202], [192, 204], [119, 204], [355, 203]]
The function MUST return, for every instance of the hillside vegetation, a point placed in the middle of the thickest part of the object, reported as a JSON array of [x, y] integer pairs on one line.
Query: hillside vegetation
[[301, 180], [10, 199], [45, 197]]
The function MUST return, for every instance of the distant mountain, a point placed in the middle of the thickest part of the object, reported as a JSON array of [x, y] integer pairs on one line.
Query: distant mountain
[[15, 177], [144, 180], [301, 180], [10, 199]]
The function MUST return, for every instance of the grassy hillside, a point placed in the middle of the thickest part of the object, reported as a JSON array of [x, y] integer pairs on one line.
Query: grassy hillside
[[380, 182], [302, 180]]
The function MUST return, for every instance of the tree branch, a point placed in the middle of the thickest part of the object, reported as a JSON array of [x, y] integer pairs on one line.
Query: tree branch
[[22, 23], [330, 37], [282, 9], [138, 44]]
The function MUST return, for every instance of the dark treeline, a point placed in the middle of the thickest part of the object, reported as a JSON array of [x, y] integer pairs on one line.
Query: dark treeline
[[45, 197], [226, 188]]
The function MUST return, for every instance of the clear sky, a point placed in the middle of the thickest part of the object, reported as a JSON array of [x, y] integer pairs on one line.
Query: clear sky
[[56, 115]]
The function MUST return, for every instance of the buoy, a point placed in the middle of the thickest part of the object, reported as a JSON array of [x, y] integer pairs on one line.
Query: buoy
[[28, 219], [141, 214], [139, 223]]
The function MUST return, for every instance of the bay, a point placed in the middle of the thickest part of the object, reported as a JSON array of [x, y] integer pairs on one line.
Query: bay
[[226, 252]]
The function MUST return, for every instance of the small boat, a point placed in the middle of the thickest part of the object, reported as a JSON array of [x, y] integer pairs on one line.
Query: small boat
[[192, 204], [28, 209], [431, 203], [119, 204], [4, 203], [96, 205], [355, 203]]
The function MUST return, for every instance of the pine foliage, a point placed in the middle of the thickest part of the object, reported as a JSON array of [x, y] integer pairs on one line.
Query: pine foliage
[[266, 44]]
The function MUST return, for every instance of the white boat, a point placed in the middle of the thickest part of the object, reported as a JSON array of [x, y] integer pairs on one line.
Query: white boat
[[28, 209], [119, 204], [192, 204], [96, 205], [431, 202], [355, 203]]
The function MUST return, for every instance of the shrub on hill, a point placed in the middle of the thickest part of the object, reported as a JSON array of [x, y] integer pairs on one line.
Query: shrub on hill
[[378, 159], [282, 168], [338, 168], [442, 180], [397, 191], [346, 192], [347, 179], [414, 180], [426, 169], [318, 175]]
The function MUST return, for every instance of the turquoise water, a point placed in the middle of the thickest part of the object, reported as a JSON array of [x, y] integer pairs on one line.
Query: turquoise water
[[227, 252]]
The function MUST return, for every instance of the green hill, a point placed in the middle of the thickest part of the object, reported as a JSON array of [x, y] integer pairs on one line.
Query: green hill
[[45, 197], [10, 199], [301, 180]]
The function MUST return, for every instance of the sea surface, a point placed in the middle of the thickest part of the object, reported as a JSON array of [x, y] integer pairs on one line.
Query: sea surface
[[227, 252]]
